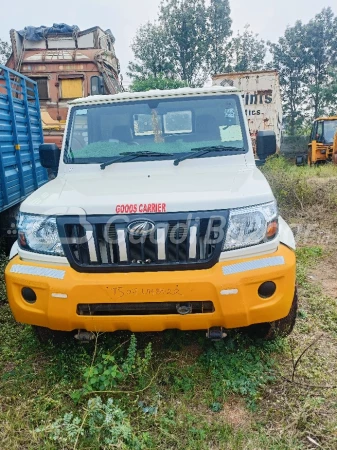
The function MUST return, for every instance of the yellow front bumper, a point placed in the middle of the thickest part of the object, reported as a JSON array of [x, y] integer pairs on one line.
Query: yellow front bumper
[[232, 286]]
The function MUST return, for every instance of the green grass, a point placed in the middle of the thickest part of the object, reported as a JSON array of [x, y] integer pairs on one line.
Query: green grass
[[173, 396], [169, 390], [308, 193], [175, 390]]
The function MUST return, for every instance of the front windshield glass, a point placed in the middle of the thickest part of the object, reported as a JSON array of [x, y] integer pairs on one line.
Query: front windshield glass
[[171, 127], [330, 128]]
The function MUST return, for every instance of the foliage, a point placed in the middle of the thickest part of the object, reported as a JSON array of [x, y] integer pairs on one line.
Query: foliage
[[237, 368], [109, 372], [218, 34], [306, 57], [191, 40], [288, 59], [3, 262], [290, 187], [150, 50], [307, 257], [151, 82], [5, 51], [102, 424], [248, 51], [321, 41], [302, 191], [186, 25]]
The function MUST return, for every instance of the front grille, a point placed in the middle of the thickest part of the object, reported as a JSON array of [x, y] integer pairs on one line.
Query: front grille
[[105, 244], [144, 309]]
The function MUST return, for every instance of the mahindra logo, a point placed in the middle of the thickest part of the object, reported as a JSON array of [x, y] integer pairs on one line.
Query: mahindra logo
[[141, 228]]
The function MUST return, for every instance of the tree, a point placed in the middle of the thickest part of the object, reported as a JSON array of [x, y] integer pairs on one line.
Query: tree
[[329, 91], [291, 61], [150, 48], [185, 22], [248, 51], [306, 57], [219, 31], [5, 51], [321, 49], [158, 82]]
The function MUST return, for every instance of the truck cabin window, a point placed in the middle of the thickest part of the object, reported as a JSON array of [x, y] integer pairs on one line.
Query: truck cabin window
[[168, 127], [330, 129]]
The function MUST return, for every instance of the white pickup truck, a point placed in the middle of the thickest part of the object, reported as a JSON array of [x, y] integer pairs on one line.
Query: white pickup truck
[[157, 219]]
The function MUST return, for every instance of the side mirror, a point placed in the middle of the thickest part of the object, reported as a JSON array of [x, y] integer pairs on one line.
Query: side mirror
[[265, 144], [49, 156]]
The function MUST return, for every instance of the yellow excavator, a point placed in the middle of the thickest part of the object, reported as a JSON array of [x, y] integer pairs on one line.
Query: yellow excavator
[[323, 141]]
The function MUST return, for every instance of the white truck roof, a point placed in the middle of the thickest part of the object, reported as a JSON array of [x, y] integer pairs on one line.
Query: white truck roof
[[187, 91]]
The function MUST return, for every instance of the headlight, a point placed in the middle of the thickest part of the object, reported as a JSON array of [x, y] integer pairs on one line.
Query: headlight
[[39, 234], [251, 226]]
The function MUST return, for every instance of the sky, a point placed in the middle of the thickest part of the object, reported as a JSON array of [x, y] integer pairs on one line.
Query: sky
[[269, 18]]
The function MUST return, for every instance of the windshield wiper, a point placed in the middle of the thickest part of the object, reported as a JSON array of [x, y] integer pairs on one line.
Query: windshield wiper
[[204, 150], [129, 156]]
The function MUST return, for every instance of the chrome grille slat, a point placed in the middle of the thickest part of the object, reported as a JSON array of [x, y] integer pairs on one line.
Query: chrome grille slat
[[161, 243], [122, 249], [192, 243]]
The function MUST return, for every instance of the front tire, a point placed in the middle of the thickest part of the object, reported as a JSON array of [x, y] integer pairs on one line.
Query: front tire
[[278, 328]]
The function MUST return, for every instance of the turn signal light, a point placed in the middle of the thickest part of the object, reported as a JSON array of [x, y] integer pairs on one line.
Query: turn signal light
[[272, 229]]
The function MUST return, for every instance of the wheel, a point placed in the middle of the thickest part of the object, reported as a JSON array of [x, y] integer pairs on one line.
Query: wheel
[[279, 328], [46, 335]]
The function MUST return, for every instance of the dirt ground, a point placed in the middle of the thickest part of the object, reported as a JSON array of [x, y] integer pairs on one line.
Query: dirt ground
[[325, 274]]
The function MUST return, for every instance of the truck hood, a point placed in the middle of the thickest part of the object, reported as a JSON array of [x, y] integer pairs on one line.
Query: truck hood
[[178, 188]]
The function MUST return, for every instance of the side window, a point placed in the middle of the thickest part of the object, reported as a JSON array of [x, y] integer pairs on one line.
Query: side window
[[71, 88], [42, 87], [313, 132], [79, 135], [319, 132]]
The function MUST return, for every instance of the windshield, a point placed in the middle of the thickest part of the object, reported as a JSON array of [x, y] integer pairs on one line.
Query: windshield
[[164, 129], [330, 128]]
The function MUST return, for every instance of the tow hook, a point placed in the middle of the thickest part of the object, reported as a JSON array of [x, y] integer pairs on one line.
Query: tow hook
[[184, 308], [216, 333], [84, 336]]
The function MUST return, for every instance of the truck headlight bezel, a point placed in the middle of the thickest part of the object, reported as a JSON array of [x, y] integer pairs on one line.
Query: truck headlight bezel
[[39, 234], [250, 226]]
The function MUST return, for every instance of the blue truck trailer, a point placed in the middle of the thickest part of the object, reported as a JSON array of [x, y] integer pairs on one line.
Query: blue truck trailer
[[20, 137]]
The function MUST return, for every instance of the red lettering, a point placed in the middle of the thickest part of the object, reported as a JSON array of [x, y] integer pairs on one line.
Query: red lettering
[[142, 208]]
